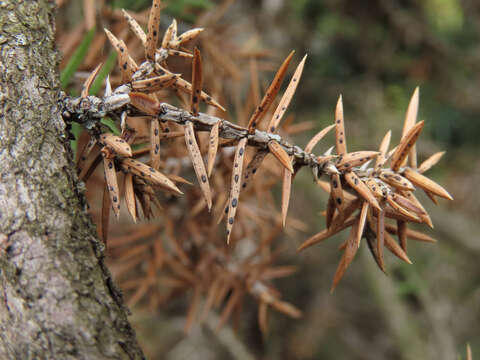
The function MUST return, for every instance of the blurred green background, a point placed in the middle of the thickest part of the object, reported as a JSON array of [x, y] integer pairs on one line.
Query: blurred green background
[[374, 53]]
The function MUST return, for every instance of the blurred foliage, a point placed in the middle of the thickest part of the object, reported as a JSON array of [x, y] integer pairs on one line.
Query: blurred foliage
[[180, 9]]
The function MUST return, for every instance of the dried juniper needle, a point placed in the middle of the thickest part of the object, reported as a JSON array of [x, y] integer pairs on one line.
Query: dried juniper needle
[[85, 153], [330, 211], [336, 191], [197, 80], [198, 164], [235, 185], [185, 37], [319, 136], [155, 143], [88, 82], [277, 150], [286, 189], [349, 160], [361, 221], [144, 103], [380, 235], [130, 196], [148, 173], [405, 145], [347, 257], [383, 149], [116, 143], [340, 141], [111, 183], [395, 249], [410, 120], [252, 167], [170, 34], [135, 27], [430, 162], [359, 186], [426, 184], [127, 65], [269, 96], [425, 218], [212, 147], [286, 98], [154, 84], [186, 87], [402, 234], [153, 28], [396, 180]]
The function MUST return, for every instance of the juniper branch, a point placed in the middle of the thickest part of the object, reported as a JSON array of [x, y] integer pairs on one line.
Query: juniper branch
[[89, 111]]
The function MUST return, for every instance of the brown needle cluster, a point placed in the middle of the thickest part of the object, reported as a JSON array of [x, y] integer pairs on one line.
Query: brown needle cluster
[[186, 253]]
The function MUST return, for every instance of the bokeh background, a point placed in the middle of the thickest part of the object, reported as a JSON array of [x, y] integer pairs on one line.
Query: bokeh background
[[374, 53]]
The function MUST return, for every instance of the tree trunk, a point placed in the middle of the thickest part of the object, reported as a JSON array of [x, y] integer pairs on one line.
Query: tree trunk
[[57, 299]]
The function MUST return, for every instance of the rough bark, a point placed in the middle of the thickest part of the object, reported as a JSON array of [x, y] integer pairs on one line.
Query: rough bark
[[57, 299]]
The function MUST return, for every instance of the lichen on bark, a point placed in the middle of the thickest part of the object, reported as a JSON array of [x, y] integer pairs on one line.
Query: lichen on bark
[[57, 299]]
